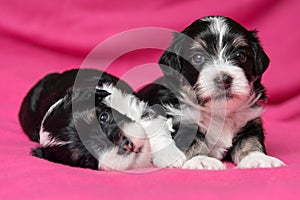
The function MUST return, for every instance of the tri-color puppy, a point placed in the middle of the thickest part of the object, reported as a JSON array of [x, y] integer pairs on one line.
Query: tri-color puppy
[[212, 89], [88, 118]]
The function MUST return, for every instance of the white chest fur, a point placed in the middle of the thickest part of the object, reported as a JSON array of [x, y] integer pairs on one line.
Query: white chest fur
[[221, 125], [220, 122]]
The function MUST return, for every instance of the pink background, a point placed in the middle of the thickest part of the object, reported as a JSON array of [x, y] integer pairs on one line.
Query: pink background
[[39, 37]]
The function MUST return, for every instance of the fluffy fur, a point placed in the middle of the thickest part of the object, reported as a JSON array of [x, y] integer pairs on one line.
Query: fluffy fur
[[212, 89], [157, 128], [88, 118]]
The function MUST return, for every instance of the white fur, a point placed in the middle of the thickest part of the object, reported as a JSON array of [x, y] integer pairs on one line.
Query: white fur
[[137, 135], [224, 118], [218, 25], [220, 121], [220, 28], [164, 151], [206, 85], [204, 162], [139, 158], [111, 160], [124, 103], [259, 160], [221, 129], [47, 141], [157, 128]]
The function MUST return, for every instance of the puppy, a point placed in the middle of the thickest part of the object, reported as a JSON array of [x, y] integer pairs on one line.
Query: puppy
[[212, 89], [88, 118]]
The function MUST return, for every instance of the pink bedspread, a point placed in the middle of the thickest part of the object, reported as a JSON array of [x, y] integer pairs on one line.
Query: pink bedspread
[[39, 37]]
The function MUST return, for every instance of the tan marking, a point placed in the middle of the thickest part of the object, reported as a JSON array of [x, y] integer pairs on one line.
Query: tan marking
[[199, 148], [247, 146]]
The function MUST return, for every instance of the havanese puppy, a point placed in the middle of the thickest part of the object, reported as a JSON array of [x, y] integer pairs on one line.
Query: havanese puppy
[[90, 119], [212, 89]]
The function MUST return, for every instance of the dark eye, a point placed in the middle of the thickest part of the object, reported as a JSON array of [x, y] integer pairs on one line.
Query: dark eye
[[241, 56], [103, 117], [197, 59]]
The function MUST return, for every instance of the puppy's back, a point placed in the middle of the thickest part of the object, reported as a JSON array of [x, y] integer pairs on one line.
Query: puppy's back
[[53, 87]]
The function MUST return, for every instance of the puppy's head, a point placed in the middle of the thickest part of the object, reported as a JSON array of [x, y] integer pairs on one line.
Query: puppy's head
[[218, 58], [83, 130]]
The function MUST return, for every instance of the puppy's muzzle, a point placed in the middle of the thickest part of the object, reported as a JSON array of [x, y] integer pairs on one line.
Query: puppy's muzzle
[[223, 81], [133, 140], [127, 146]]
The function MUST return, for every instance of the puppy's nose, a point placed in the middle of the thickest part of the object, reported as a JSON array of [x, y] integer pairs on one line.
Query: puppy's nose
[[223, 81], [127, 146], [135, 139]]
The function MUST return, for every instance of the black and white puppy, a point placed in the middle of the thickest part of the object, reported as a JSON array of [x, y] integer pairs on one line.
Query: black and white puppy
[[88, 118], [212, 89]]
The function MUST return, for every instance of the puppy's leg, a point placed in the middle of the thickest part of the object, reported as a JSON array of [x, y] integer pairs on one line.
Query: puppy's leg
[[197, 156], [248, 148], [164, 151]]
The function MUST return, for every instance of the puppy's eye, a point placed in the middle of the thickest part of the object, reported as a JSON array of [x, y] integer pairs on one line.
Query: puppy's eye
[[241, 56], [198, 58], [103, 117]]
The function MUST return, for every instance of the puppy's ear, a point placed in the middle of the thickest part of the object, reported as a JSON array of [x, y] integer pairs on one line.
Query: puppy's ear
[[261, 60], [101, 94], [170, 62]]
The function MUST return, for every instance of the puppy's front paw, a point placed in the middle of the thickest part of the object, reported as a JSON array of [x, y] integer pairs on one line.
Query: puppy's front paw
[[259, 160], [178, 163], [169, 156], [204, 162]]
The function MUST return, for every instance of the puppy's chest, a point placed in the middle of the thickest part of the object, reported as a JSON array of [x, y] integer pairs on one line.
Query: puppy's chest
[[220, 129]]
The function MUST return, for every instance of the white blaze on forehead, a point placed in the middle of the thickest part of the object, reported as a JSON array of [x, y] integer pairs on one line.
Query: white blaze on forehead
[[134, 108], [126, 104], [219, 27]]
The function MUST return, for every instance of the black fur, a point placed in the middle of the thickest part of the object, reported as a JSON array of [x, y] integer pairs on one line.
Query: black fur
[[53, 87], [79, 121], [176, 59], [180, 72]]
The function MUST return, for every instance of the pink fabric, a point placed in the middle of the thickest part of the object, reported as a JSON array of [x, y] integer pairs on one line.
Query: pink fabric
[[39, 37]]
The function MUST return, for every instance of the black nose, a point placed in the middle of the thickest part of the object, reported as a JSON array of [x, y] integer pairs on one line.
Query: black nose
[[126, 146], [223, 81]]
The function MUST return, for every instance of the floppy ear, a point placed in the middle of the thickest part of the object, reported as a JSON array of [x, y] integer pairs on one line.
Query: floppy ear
[[170, 61], [261, 60]]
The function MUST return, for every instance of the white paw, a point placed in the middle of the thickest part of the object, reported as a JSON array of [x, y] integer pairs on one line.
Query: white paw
[[178, 163], [204, 162], [169, 156], [259, 160]]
